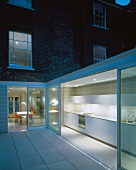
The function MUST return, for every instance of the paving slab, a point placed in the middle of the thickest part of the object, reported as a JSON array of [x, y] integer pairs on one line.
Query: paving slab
[[41, 150]]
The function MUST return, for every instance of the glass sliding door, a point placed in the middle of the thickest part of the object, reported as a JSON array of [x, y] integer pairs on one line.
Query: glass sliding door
[[17, 108], [128, 118], [53, 108], [36, 99]]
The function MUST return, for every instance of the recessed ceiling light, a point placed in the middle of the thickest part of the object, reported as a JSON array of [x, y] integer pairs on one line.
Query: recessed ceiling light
[[16, 42]]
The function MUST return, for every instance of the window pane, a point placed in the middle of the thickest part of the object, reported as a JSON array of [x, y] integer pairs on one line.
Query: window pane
[[29, 62], [29, 55], [99, 53], [99, 15], [29, 38], [20, 36], [19, 44], [10, 35], [20, 50], [11, 44], [29, 46], [128, 118], [98, 9]]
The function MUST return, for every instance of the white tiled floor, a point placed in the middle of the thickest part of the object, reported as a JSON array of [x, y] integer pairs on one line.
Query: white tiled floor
[[98, 150]]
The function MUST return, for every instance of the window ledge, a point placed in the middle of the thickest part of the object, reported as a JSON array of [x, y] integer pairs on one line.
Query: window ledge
[[14, 4], [100, 27], [20, 68]]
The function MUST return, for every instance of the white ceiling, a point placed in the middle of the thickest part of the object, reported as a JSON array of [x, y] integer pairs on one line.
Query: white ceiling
[[97, 78]]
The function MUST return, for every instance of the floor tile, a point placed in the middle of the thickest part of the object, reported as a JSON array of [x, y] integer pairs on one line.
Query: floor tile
[[48, 150], [62, 165], [41, 167], [92, 167], [82, 161], [54, 157], [71, 153]]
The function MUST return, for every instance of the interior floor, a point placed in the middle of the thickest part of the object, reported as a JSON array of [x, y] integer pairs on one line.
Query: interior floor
[[20, 125], [99, 151]]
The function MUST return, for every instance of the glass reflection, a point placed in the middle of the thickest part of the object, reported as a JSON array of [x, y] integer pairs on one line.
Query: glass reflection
[[53, 108]]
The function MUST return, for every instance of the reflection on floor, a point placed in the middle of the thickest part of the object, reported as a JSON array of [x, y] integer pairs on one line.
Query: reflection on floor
[[20, 125], [101, 152], [14, 125], [128, 161]]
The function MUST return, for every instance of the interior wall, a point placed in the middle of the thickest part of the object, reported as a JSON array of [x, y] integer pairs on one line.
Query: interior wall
[[91, 89]]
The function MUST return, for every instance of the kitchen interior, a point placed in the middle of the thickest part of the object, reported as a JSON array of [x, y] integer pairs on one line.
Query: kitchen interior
[[89, 118]]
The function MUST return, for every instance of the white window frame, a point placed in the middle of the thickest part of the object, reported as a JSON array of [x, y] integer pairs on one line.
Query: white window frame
[[13, 48], [96, 22], [21, 3], [96, 54]]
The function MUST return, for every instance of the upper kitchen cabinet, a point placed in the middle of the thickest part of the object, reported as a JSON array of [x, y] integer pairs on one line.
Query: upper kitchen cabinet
[[95, 99], [126, 100]]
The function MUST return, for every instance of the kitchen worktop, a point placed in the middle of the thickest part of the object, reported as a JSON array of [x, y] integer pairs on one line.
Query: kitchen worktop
[[94, 115]]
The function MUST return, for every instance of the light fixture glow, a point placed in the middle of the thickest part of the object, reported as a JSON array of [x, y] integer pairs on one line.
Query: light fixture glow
[[54, 102], [23, 103], [16, 42]]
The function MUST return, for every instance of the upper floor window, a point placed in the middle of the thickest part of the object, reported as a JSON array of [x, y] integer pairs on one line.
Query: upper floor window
[[99, 53], [20, 50], [23, 3], [99, 15]]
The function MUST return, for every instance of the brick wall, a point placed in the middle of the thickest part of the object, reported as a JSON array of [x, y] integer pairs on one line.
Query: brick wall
[[62, 37]]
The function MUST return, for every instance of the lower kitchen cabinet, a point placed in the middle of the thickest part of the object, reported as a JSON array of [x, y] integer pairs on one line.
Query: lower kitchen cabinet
[[109, 132], [101, 129], [94, 127], [128, 139]]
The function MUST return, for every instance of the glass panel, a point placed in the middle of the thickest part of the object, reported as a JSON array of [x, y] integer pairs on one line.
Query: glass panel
[[10, 105], [29, 46], [89, 107], [20, 51], [16, 104], [17, 117], [20, 57], [53, 108], [10, 35], [11, 44], [20, 44], [20, 36], [29, 38], [128, 118], [37, 106]]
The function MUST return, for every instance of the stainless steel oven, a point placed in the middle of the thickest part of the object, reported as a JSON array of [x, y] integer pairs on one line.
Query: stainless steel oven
[[81, 121]]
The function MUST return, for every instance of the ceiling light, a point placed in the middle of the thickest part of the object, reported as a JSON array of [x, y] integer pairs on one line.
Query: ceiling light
[[16, 42], [67, 85], [94, 79]]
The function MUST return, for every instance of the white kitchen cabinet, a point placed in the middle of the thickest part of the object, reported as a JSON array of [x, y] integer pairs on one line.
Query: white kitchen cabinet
[[125, 137], [71, 120], [133, 139], [101, 129], [109, 132], [94, 127]]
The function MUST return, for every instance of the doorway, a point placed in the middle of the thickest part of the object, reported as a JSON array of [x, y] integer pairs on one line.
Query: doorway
[[26, 107], [17, 108]]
